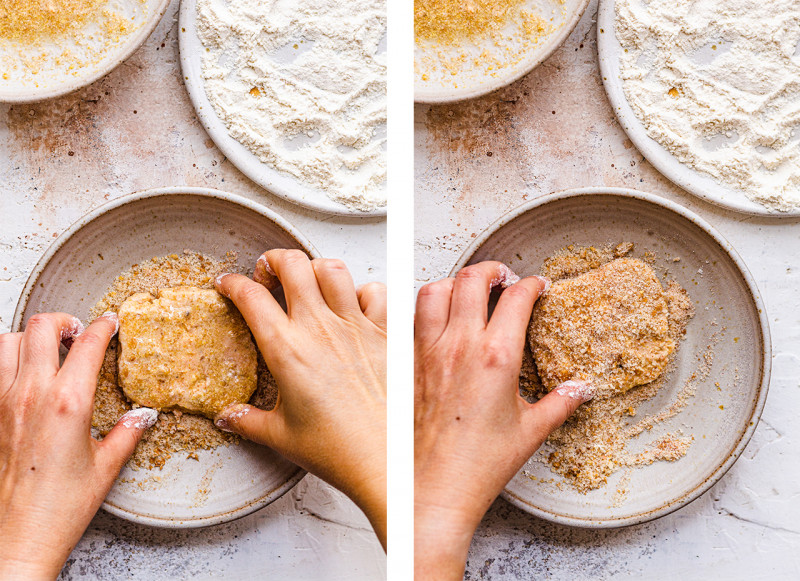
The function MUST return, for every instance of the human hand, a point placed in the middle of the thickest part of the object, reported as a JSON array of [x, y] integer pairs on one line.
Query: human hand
[[472, 429], [53, 474], [327, 353]]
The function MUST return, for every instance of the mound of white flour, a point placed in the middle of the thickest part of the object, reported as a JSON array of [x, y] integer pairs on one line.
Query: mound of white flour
[[718, 85], [302, 84]]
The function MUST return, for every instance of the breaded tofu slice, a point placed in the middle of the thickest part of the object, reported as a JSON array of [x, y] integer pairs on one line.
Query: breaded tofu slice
[[186, 348], [609, 326]]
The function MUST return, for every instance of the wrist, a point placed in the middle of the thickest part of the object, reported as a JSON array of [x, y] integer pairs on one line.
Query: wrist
[[13, 569], [442, 537], [371, 498]]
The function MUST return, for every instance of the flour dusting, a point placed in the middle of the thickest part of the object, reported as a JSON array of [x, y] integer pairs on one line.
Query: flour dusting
[[303, 86], [718, 85]]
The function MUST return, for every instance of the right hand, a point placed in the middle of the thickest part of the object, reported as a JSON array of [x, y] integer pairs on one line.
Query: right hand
[[327, 354]]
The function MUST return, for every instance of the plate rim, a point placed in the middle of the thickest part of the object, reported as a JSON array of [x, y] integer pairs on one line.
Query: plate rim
[[765, 363], [422, 97], [683, 176], [136, 41], [44, 260], [237, 153]]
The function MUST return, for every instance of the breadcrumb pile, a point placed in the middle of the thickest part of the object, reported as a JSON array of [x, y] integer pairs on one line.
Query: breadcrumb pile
[[593, 443], [174, 432]]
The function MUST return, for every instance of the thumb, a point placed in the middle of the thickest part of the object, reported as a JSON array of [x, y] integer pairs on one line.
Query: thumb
[[553, 409], [252, 423], [119, 443]]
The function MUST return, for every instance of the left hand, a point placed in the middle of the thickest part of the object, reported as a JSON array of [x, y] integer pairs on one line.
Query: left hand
[[53, 474]]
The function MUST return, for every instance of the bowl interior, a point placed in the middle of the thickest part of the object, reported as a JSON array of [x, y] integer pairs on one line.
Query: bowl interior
[[722, 414], [226, 482]]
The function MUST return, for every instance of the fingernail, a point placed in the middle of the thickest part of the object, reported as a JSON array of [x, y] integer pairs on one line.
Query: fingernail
[[582, 390], [218, 284], [222, 424], [262, 260], [546, 282], [264, 275], [140, 418], [71, 332], [113, 317], [505, 277], [229, 415]]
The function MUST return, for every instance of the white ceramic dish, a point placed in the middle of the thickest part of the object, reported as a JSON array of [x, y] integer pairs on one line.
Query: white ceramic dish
[[725, 297], [54, 79], [227, 482], [694, 182], [279, 183], [434, 83]]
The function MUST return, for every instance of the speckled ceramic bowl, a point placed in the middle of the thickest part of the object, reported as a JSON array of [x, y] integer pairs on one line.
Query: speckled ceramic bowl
[[729, 311], [227, 482], [436, 81], [55, 77]]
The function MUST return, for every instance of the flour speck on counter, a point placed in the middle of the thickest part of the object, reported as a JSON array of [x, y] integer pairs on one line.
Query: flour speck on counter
[[302, 85]]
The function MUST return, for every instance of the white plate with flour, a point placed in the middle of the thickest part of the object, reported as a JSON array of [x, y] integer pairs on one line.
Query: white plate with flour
[[50, 67], [346, 185], [693, 181], [443, 74]]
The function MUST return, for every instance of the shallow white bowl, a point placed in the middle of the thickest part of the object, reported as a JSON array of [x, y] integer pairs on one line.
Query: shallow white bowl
[[279, 183], [694, 182], [75, 273], [54, 79], [724, 294], [435, 84]]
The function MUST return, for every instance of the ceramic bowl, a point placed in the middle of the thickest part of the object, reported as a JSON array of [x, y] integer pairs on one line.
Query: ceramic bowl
[[729, 315], [54, 77], [473, 76], [227, 482]]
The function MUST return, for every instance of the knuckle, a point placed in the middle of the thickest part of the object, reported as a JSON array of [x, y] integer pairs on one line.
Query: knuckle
[[454, 353], [293, 257], [249, 293], [433, 289], [471, 272], [518, 291], [374, 288], [91, 339], [38, 321], [330, 264], [67, 403], [496, 354]]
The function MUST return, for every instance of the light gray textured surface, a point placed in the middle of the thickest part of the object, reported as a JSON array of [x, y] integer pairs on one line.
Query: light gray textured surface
[[132, 130], [554, 130]]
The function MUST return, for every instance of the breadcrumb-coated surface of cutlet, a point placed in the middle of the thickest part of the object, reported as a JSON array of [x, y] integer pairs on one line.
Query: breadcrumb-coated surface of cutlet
[[609, 326], [185, 348]]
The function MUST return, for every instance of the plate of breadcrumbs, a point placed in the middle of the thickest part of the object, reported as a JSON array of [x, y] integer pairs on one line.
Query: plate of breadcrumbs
[[658, 311], [52, 48], [152, 257], [464, 49]]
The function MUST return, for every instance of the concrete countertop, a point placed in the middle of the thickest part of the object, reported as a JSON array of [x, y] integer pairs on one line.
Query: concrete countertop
[[132, 130], [554, 130]]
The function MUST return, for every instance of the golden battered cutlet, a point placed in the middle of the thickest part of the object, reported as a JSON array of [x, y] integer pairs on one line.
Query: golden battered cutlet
[[608, 326], [186, 348]]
